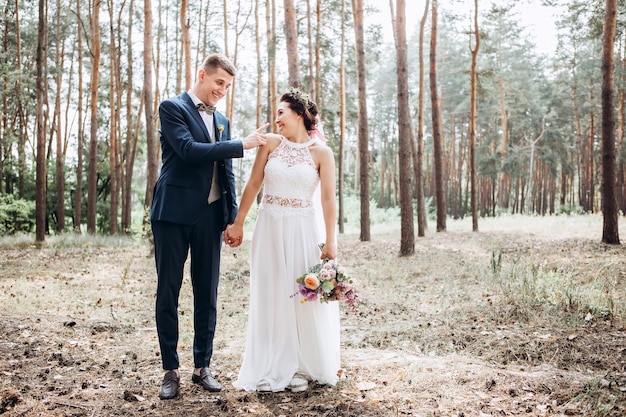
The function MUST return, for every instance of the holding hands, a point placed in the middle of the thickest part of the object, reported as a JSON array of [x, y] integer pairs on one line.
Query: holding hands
[[233, 235]]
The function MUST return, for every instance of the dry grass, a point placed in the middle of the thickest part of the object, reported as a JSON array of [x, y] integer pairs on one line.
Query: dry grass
[[525, 317]]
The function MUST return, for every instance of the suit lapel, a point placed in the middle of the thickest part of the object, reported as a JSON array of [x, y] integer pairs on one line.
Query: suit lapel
[[186, 98]]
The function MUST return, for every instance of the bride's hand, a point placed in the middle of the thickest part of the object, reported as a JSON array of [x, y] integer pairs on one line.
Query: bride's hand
[[329, 251]]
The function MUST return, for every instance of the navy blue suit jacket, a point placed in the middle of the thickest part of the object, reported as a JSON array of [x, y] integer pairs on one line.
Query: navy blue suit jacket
[[182, 190]]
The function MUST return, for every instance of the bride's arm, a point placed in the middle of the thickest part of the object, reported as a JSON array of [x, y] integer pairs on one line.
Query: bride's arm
[[234, 232], [329, 206]]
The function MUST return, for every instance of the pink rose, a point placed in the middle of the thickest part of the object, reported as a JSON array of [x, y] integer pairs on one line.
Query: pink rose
[[325, 275]]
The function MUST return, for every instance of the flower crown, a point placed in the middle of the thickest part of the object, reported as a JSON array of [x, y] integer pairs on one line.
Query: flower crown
[[300, 96]]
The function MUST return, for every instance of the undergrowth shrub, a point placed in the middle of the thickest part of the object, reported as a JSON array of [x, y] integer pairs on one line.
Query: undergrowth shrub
[[16, 215]]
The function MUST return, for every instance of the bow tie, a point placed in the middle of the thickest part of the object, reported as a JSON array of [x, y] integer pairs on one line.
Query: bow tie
[[206, 108]]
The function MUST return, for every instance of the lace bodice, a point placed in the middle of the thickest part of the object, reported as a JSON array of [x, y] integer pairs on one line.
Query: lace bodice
[[290, 178]]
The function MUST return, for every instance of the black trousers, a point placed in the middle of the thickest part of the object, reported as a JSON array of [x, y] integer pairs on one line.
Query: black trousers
[[172, 243]]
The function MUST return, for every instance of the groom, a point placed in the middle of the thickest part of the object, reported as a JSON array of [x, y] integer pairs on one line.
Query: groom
[[194, 200]]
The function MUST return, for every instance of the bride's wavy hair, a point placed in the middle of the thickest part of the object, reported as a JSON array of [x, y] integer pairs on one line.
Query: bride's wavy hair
[[302, 105]]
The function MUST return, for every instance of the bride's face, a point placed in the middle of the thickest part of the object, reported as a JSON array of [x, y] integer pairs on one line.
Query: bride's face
[[287, 120]]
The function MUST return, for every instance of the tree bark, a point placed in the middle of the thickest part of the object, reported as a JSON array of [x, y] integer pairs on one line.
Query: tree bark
[[419, 180], [309, 27], [270, 20], [40, 180], [342, 121], [610, 233], [472, 120], [92, 177], [362, 129], [151, 139], [78, 193], [407, 239], [259, 65], [129, 159], [113, 126], [56, 129], [436, 121], [291, 37], [186, 41]]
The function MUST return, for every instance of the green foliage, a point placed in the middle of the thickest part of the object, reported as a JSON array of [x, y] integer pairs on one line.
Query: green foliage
[[533, 288], [352, 212], [16, 215], [568, 209]]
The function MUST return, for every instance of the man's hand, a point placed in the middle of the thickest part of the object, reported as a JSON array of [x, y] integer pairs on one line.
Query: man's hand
[[255, 139]]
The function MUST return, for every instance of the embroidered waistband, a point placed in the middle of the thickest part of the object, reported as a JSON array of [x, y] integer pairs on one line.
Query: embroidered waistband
[[286, 202]]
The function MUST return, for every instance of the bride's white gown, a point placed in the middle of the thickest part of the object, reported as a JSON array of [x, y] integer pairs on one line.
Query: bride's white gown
[[285, 336]]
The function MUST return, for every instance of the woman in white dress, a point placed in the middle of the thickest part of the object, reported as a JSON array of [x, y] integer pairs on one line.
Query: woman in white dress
[[289, 343]]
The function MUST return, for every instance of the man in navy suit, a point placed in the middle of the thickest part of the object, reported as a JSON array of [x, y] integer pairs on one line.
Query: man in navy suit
[[194, 200]]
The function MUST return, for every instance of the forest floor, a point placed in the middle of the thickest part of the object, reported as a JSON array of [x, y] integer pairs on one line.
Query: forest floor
[[525, 317]]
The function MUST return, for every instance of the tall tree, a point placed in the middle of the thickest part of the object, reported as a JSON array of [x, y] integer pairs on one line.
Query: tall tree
[[342, 118], [92, 177], [362, 129], [259, 64], [40, 181], [436, 120], [78, 193], [22, 135], [291, 37], [407, 239], [151, 139], [114, 122], [270, 23], [56, 125], [318, 58], [472, 119], [130, 147], [186, 41], [419, 180], [309, 27], [610, 232]]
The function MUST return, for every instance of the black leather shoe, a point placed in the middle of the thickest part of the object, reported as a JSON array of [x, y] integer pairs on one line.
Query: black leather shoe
[[206, 380], [170, 386]]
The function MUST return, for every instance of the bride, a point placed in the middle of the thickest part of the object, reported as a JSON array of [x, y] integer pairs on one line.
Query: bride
[[289, 343]]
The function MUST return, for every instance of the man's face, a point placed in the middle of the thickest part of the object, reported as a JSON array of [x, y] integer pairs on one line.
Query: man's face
[[212, 87]]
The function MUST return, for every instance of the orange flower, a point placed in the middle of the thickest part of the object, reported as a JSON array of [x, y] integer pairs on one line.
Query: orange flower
[[311, 281]]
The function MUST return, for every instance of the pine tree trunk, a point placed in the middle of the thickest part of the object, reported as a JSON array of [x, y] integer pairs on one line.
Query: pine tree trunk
[[311, 50], [342, 121], [419, 179], [92, 177], [472, 120], [78, 193], [128, 163], [56, 128], [436, 121], [113, 125], [186, 42], [270, 20], [407, 232], [151, 138], [610, 233], [40, 179], [291, 37], [362, 129]]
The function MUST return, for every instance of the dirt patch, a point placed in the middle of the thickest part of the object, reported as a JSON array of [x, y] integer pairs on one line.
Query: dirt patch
[[501, 322]]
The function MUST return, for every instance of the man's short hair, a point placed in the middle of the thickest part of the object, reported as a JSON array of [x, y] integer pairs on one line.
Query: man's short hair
[[214, 61]]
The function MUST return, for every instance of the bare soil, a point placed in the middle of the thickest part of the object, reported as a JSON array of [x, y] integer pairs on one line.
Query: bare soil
[[525, 317]]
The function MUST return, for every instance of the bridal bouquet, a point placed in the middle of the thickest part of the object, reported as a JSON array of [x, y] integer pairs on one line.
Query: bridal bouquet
[[328, 282]]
